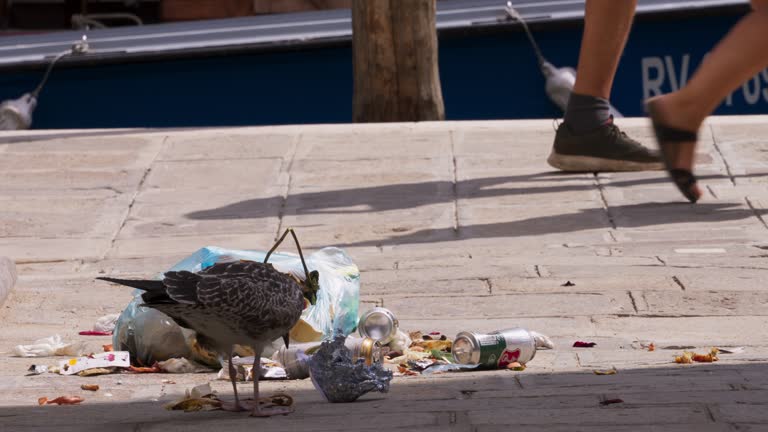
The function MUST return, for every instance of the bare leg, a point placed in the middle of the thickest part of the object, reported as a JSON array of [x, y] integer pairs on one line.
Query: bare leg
[[233, 378], [737, 57], [258, 411], [606, 28]]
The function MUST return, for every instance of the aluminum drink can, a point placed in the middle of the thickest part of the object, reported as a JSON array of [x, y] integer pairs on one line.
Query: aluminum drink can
[[495, 350]]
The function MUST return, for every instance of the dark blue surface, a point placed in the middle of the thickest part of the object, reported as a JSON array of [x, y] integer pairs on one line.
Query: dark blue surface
[[483, 77]]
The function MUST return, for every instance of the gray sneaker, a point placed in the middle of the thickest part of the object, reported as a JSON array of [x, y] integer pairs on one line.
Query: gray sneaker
[[606, 148]]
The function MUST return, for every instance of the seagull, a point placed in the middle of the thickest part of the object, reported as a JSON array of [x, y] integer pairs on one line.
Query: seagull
[[234, 303]]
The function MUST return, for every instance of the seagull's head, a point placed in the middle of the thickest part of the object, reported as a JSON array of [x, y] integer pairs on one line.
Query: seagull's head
[[311, 285]]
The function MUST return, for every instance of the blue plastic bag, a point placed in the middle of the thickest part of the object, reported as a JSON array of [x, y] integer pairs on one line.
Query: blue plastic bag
[[152, 336]]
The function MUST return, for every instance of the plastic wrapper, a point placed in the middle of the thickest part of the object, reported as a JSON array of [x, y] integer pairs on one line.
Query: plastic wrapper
[[50, 346], [106, 323], [151, 336]]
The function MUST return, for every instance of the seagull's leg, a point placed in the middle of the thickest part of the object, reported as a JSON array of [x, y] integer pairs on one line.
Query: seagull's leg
[[233, 378], [267, 411]]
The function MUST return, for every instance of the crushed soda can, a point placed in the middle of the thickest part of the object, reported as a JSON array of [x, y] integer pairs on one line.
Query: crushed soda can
[[495, 350]]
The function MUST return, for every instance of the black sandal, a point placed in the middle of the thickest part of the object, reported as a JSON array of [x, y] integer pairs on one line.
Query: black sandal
[[668, 137]]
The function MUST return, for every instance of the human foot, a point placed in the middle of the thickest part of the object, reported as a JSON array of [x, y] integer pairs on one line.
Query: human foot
[[678, 146]]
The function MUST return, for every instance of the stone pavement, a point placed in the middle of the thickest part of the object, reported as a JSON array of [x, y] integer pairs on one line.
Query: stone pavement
[[455, 225]]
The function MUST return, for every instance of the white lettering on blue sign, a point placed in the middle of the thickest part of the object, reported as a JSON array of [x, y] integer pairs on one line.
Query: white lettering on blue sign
[[663, 74]]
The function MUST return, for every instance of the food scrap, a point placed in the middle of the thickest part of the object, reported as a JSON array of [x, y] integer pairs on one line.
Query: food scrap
[[610, 401], [651, 347], [605, 371], [197, 399], [107, 348], [689, 357], [90, 387], [406, 372], [581, 344], [155, 368], [516, 366], [61, 400], [94, 333]]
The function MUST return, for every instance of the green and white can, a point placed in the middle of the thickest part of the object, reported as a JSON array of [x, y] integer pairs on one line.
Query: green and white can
[[495, 350]]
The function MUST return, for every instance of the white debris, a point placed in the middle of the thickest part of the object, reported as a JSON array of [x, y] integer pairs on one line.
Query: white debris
[[50, 346], [106, 323]]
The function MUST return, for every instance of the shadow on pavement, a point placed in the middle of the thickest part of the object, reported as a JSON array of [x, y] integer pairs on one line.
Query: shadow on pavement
[[411, 195], [624, 216], [699, 397]]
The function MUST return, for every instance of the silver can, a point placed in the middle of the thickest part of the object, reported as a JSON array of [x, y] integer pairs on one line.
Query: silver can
[[495, 350], [378, 324]]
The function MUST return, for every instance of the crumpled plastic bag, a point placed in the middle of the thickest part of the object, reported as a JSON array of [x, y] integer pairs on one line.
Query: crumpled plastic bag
[[150, 335], [50, 346], [106, 323]]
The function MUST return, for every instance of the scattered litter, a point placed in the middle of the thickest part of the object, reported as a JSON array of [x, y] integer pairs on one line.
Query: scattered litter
[[733, 350], [61, 400], [106, 324], [167, 381], [651, 347], [198, 398], [94, 333], [50, 346], [403, 371], [100, 360], [610, 401], [244, 367], [580, 344], [108, 394], [401, 341], [542, 341], [451, 367], [612, 371], [339, 379], [568, 284], [37, 370], [294, 360], [689, 357], [155, 368], [181, 365], [96, 371], [381, 325], [90, 387], [107, 348], [516, 366], [430, 345], [494, 350]]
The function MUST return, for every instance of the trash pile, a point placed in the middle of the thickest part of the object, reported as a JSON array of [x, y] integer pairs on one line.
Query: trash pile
[[321, 346]]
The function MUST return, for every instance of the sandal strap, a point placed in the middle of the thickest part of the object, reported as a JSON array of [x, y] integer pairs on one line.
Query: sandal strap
[[682, 177], [671, 134]]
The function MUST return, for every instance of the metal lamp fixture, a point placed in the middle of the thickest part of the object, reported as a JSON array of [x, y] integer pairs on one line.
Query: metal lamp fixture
[[559, 81], [16, 114]]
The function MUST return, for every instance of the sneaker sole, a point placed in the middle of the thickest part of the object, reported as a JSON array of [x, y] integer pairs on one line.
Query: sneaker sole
[[588, 163]]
